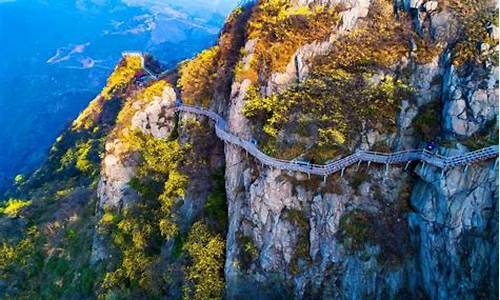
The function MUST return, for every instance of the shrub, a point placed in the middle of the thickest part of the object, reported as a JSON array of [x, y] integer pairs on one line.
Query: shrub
[[472, 17], [301, 253], [19, 179], [205, 273], [355, 228], [197, 77], [20, 264], [248, 250], [83, 156], [280, 29], [335, 104], [12, 207], [483, 138], [216, 206], [427, 123], [388, 229], [122, 75]]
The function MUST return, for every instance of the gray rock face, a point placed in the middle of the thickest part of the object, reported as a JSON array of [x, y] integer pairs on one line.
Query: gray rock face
[[470, 100], [119, 165], [456, 230], [451, 240], [156, 118]]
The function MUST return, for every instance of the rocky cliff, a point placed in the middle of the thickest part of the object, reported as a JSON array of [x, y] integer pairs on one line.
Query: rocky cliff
[[180, 214]]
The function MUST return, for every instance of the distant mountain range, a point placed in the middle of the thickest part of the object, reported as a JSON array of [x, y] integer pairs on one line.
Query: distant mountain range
[[56, 56]]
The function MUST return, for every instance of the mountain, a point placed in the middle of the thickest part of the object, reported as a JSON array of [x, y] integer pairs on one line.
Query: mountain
[[322, 150], [58, 55]]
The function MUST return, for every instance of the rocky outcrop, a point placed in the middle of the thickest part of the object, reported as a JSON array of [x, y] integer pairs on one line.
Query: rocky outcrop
[[119, 163], [156, 118], [286, 235], [470, 99], [299, 66]]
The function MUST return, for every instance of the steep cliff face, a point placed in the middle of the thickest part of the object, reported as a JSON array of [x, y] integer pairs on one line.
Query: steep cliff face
[[295, 236], [181, 214]]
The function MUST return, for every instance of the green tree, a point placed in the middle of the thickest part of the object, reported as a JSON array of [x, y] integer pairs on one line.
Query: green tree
[[204, 274]]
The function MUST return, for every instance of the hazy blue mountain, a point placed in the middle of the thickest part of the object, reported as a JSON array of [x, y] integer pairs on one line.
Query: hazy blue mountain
[[56, 56]]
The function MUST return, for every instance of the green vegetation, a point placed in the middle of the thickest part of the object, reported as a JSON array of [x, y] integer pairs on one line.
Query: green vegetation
[[134, 103], [197, 77], [340, 96], [248, 250], [137, 101], [211, 72], [427, 123], [140, 230], [323, 101], [301, 253], [388, 229], [205, 274], [20, 264], [52, 265], [216, 206], [280, 29], [81, 157], [19, 179], [357, 178], [121, 77], [12, 207], [484, 138], [355, 228]]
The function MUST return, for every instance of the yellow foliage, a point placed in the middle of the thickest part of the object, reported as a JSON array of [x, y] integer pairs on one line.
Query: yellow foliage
[[205, 274], [154, 90], [138, 233], [197, 77], [280, 29], [330, 137], [108, 217], [12, 207], [121, 76], [242, 72], [471, 18], [18, 255], [135, 103], [64, 192], [79, 156]]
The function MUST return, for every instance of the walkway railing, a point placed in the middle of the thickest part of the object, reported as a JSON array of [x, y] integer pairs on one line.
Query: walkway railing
[[359, 156]]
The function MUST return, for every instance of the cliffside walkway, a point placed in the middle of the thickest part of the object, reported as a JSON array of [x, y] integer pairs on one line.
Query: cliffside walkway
[[150, 74], [358, 157], [332, 167]]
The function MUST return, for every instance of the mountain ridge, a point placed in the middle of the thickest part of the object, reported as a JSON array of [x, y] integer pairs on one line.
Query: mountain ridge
[[138, 201]]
